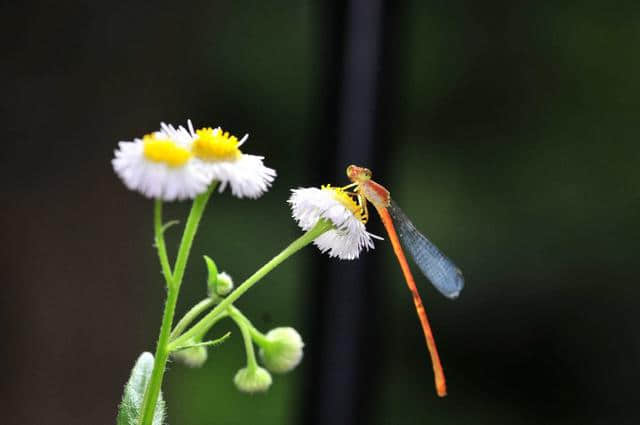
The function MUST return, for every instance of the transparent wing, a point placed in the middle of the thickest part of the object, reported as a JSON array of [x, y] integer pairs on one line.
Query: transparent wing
[[437, 267]]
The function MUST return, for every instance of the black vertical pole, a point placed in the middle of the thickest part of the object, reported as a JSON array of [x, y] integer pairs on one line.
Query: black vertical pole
[[358, 103], [337, 386]]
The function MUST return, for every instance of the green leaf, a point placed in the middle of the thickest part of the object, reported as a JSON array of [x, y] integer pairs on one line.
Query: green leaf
[[164, 229], [212, 277], [129, 409], [168, 224], [204, 344]]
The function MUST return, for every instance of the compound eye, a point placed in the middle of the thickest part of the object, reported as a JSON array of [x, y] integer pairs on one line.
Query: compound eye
[[349, 170]]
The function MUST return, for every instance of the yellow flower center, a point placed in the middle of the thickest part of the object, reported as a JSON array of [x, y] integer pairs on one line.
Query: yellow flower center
[[215, 145], [347, 199], [164, 150]]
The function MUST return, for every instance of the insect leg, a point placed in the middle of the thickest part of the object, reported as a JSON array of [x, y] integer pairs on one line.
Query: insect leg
[[349, 186], [362, 202]]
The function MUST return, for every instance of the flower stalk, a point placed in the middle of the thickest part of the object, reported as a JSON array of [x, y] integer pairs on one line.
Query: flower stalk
[[245, 328], [205, 323], [174, 281], [186, 320], [160, 245]]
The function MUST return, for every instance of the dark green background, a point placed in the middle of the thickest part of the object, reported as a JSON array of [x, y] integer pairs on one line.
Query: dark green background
[[508, 132]]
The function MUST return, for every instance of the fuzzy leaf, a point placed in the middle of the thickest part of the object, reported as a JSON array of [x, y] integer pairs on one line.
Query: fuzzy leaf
[[129, 409]]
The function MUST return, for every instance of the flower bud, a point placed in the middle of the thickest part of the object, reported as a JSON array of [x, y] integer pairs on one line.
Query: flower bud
[[284, 350], [192, 356], [252, 380], [224, 285]]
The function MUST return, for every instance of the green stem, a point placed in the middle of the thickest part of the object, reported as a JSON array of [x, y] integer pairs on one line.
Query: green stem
[[200, 336], [241, 321], [195, 311], [190, 229], [257, 336], [162, 352], [159, 239], [204, 323]]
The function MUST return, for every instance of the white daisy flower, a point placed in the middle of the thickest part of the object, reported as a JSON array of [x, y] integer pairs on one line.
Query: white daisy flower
[[349, 236], [161, 166], [218, 152]]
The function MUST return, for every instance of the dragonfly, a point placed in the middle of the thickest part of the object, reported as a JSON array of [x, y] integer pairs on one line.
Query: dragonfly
[[437, 267]]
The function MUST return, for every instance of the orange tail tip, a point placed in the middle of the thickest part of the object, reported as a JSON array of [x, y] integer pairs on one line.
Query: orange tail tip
[[441, 387], [440, 382]]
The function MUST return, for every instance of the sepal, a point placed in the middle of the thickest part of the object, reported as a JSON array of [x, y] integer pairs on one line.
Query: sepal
[[252, 380]]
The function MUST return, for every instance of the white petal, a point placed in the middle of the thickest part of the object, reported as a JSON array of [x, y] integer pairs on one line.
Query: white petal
[[349, 237], [247, 176], [156, 179]]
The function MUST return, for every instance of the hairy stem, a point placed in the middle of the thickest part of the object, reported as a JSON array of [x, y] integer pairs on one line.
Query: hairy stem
[[195, 311], [257, 336], [173, 288], [159, 242], [240, 320]]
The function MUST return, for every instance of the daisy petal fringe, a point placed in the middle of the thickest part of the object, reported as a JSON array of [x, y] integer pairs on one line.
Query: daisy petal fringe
[[247, 176], [218, 154], [159, 168], [349, 237], [177, 163]]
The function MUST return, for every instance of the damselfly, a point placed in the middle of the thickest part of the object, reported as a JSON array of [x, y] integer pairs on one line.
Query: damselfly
[[438, 268]]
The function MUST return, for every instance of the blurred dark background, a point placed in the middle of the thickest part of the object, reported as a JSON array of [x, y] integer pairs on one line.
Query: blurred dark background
[[508, 131]]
